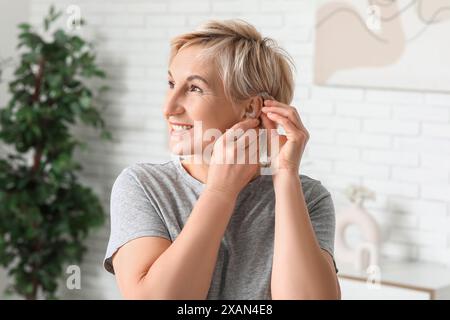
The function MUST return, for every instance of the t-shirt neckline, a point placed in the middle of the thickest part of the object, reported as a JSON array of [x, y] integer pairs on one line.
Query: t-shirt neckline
[[200, 185]]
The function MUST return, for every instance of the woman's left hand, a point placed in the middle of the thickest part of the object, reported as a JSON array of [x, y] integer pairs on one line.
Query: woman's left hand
[[291, 145]]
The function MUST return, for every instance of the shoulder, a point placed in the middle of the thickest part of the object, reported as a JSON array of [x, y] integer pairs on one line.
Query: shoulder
[[136, 184], [145, 172], [142, 169], [312, 186], [315, 192]]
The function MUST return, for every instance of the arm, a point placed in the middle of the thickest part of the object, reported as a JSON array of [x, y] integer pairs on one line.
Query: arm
[[301, 269], [147, 268]]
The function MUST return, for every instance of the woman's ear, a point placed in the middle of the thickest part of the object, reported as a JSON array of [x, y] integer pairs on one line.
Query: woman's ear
[[253, 108]]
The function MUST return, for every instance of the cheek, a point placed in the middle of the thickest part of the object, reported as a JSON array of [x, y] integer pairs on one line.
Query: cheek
[[207, 116], [213, 114]]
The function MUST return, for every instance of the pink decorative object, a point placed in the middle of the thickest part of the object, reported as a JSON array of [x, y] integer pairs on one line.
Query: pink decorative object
[[366, 253]]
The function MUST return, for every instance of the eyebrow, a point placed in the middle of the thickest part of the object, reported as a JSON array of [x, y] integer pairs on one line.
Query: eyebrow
[[193, 77]]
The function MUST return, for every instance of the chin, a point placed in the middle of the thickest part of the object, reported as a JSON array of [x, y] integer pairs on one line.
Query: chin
[[177, 149], [180, 148]]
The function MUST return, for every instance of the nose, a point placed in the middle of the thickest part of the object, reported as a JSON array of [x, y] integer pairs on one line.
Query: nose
[[173, 104]]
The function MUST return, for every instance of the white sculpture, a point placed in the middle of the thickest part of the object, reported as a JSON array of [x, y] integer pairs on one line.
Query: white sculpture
[[366, 253]]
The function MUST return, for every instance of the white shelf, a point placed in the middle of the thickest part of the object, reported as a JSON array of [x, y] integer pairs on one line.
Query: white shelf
[[398, 280]]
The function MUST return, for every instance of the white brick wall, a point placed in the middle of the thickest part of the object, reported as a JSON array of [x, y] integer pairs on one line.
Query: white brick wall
[[397, 143]]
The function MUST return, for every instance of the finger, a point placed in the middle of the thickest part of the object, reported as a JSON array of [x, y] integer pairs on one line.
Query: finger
[[284, 121], [275, 103], [252, 151], [245, 147], [267, 123], [234, 134], [236, 131], [246, 124], [290, 113], [242, 137], [249, 136]]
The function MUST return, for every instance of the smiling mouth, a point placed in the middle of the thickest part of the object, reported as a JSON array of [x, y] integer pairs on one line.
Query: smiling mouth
[[181, 127]]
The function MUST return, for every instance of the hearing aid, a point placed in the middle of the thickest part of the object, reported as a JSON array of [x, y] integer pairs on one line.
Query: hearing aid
[[265, 96]]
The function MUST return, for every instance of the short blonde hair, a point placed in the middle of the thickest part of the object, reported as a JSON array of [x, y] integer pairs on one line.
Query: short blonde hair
[[247, 62]]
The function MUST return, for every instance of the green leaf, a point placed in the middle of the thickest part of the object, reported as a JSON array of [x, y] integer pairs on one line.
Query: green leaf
[[55, 80], [60, 36], [77, 43], [106, 135], [24, 26], [85, 101], [100, 73]]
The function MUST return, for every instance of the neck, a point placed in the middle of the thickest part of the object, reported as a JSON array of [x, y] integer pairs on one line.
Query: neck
[[200, 171], [197, 171]]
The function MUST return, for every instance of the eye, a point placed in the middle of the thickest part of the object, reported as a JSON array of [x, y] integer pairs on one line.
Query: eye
[[171, 84], [195, 89]]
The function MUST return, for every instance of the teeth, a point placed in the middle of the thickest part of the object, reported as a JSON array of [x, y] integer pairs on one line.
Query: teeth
[[179, 128]]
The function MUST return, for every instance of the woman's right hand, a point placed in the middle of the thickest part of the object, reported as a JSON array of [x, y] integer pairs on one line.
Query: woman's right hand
[[230, 177]]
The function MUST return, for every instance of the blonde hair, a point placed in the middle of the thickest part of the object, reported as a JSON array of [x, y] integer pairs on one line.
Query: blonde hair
[[247, 63]]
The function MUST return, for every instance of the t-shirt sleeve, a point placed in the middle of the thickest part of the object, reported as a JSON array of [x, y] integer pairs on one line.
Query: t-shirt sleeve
[[132, 215], [322, 215]]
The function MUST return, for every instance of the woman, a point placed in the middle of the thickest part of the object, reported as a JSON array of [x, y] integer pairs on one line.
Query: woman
[[217, 229]]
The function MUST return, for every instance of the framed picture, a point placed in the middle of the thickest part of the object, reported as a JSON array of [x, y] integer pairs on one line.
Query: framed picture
[[389, 44]]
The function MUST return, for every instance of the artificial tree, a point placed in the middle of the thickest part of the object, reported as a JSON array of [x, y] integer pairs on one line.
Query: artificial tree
[[45, 213]]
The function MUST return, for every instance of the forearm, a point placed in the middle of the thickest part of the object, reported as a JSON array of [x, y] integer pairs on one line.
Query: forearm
[[185, 269], [299, 270]]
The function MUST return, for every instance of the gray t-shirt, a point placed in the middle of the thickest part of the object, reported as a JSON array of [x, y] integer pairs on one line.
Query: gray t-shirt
[[156, 199]]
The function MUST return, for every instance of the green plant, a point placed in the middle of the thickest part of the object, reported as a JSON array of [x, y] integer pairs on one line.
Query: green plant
[[45, 213]]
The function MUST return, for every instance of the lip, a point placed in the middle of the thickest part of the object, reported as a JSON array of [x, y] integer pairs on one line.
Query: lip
[[181, 124], [172, 132]]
